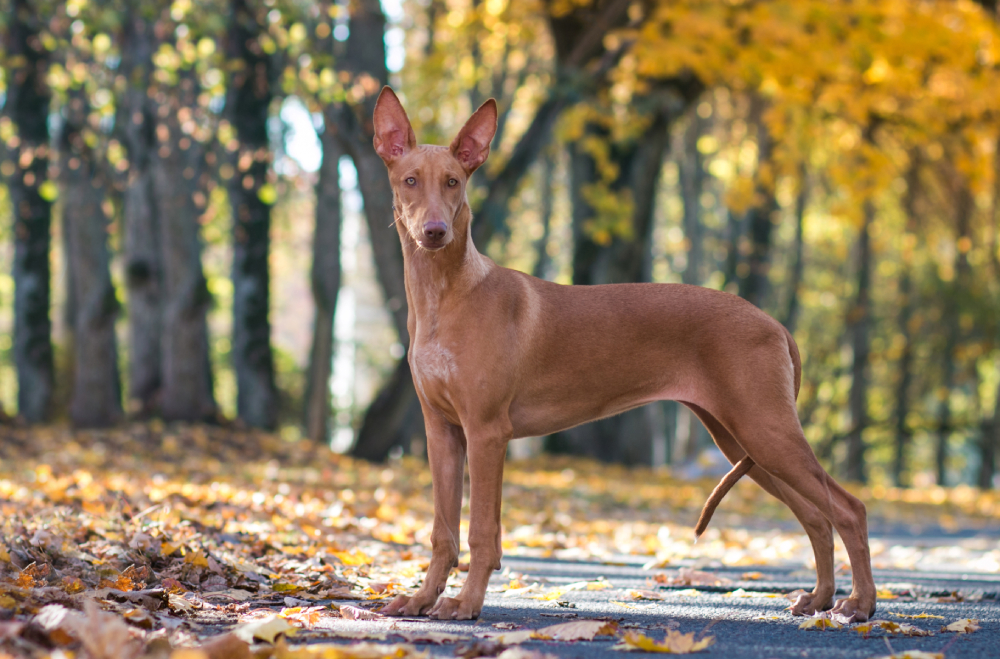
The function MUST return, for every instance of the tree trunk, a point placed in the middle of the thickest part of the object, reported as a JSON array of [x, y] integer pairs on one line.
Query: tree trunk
[[859, 328], [543, 262], [964, 205], [394, 417], [176, 168], [988, 447], [627, 437], [798, 263], [96, 397], [903, 434], [143, 268], [325, 286], [27, 105], [754, 285], [247, 110], [691, 172]]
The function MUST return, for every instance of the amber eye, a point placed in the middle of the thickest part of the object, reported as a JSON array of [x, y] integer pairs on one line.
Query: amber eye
[[411, 181], [452, 183]]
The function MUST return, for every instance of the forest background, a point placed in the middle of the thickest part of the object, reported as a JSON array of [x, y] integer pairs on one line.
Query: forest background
[[171, 169]]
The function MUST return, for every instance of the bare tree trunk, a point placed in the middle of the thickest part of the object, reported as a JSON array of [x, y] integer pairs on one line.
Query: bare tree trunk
[[27, 105], [143, 268], [798, 262], [627, 437], [247, 111], [988, 447], [325, 285], [691, 172], [903, 434], [543, 262], [394, 417], [176, 169], [96, 397], [755, 285], [953, 333], [859, 328]]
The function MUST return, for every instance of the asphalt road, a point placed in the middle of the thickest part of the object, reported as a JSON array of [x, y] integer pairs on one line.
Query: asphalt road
[[742, 626]]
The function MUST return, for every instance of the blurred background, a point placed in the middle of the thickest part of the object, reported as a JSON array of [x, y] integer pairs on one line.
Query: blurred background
[[194, 226]]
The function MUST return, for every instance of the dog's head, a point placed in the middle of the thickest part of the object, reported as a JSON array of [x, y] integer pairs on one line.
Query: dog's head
[[429, 181]]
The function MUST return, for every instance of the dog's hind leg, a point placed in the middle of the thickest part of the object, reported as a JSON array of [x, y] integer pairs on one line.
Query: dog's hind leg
[[768, 429], [816, 526]]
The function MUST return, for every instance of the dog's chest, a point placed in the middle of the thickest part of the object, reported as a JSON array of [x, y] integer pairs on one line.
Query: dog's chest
[[433, 364]]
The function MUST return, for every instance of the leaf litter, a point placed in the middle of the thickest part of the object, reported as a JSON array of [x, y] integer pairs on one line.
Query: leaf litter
[[155, 535]]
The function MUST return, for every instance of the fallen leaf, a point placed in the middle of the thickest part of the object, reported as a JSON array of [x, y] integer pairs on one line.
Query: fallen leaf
[[820, 622], [645, 595], [226, 646], [964, 626], [690, 577], [917, 616], [523, 653], [913, 654], [266, 629], [356, 613], [578, 630], [431, 637], [673, 643]]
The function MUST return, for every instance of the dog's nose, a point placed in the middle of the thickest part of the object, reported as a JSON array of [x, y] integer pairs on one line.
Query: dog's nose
[[434, 231]]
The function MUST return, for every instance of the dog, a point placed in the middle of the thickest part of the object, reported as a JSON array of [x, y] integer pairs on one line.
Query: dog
[[497, 354]]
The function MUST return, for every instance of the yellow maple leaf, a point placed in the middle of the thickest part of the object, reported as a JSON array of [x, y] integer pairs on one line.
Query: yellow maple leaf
[[673, 643], [821, 623], [196, 558], [917, 616]]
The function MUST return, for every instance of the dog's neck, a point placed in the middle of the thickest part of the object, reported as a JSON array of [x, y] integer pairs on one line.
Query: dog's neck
[[433, 275]]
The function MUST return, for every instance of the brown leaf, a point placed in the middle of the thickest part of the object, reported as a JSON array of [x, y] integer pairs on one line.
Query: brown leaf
[[357, 613], [578, 630], [964, 626], [226, 646]]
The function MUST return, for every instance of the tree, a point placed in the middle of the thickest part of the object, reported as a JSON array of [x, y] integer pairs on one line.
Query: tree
[[27, 107], [143, 260], [250, 197], [96, 393]]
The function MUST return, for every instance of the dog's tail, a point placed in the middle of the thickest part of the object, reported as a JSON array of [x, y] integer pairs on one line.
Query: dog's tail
[[743, 466], [715, 498]]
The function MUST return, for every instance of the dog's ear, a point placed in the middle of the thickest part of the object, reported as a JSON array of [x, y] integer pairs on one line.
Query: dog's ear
[[394, 136], [472, 144]]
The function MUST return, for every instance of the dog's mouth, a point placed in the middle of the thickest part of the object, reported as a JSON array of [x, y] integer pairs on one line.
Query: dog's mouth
[[432, 245]]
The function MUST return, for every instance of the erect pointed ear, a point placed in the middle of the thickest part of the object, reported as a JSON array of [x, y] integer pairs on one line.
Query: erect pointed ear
[[394, 136], [472, 144]]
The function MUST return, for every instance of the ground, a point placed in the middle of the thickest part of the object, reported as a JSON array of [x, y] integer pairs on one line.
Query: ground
[[155, 541]]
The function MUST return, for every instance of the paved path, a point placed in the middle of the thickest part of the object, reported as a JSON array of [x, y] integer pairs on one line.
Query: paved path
[[742, 626]]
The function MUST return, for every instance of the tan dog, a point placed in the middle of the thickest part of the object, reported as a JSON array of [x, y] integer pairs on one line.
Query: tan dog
[[497, 354]]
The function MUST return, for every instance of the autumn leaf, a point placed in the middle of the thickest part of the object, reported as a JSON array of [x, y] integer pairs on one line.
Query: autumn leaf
[[644, 595], [903, 628], [965, 626], [918, 616], [820, 622], [578, 630], [357, 613], [913, 654], [266, 629], [673, 643]]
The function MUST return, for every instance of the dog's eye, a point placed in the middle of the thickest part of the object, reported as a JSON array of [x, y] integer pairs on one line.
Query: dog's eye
[[452, 183], [411, 181]]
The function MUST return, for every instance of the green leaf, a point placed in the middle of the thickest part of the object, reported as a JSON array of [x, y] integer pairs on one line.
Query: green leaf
[[48, 191]]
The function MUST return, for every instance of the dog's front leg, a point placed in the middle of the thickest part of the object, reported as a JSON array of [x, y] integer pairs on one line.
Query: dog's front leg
[[446, 454], [487, 450]]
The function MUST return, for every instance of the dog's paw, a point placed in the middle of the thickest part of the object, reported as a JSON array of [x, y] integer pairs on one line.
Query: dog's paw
[[406, 605], [853, 609], [808, 604], [454, 608]]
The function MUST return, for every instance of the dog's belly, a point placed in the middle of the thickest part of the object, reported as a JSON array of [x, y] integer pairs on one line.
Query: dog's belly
[[534, 416]]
